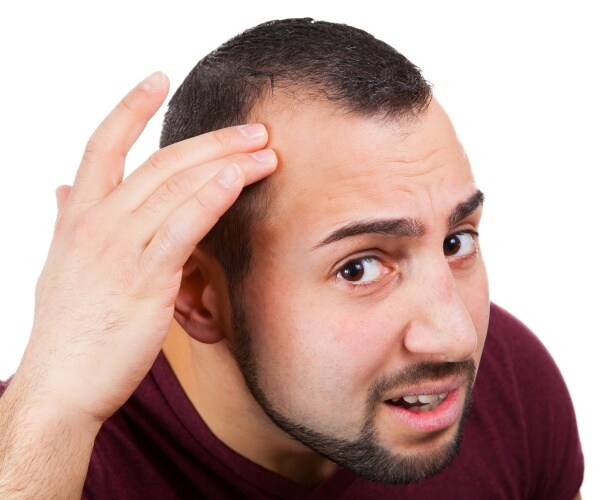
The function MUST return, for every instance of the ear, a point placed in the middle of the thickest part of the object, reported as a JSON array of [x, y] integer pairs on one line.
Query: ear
[[202, 304]]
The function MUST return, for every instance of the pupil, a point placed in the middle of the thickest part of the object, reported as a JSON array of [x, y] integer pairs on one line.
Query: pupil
[[451, 245], [354, 271]]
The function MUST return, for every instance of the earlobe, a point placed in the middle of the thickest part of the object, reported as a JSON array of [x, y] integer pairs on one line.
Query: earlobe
[[198, 306]]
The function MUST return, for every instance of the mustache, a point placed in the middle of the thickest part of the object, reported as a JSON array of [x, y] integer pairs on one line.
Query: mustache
[[421, 372]]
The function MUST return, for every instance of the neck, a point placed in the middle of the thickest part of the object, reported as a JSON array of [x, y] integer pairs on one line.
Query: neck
[[211, 379]]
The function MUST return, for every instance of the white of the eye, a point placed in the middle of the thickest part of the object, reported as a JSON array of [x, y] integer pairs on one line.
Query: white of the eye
[[371, 269], [467, 244]]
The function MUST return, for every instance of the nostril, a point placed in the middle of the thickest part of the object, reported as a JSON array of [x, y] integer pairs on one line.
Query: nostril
[[445, 337]]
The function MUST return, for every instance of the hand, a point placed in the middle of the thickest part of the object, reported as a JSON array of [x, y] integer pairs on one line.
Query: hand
[[106, 295]]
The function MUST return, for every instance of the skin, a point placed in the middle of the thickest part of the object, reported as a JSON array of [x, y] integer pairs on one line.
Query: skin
[[123, 263], [109, 286], [321, 342]]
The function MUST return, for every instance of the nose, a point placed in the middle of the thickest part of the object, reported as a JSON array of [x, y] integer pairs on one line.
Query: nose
[[441, 328]]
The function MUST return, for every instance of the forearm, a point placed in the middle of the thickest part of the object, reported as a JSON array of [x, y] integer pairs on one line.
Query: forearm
[[44, 451]]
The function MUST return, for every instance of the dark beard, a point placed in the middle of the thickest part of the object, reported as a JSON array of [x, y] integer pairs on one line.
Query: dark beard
[[363, 456]]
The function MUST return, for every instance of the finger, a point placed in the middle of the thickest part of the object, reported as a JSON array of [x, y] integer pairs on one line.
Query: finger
[[101, 168], [177, 237], [135, 190], [62, 194], [179, 187]]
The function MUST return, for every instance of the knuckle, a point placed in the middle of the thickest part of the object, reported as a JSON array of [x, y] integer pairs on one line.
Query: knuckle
[[223, 138], [75, 235], [128, 105], [163, 158], [84, 226], [156, 161], [177, 185], [88, 230], [133, 104], [169, 235], [244, 159], [95, 146], [169, 239], [208, 208], [203, 204], [99, 147], [130, 278]]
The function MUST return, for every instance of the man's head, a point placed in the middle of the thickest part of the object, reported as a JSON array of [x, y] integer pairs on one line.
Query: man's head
[[305, 60], [353, 272]]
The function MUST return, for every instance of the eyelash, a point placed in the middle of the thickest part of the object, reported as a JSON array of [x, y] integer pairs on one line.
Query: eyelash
[[362, 259], [473, 234]]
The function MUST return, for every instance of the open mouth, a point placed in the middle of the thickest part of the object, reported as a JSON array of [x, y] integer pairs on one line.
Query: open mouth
[[419, 402], [430, 406]]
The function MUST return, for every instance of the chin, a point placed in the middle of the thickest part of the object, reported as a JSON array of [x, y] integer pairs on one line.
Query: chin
[[420, 461]]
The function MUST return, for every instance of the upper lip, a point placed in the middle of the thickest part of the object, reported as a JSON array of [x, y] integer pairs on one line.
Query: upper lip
[[429, 387]]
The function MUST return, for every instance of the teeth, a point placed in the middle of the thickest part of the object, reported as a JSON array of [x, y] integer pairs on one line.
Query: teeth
[[426, 407], [427, 402], [423, 398]]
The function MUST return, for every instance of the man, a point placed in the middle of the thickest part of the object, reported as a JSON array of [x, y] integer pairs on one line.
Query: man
[[328, 330]]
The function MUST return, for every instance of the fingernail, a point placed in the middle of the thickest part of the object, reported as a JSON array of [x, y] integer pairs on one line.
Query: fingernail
[[253, 131], [154, 81], [229, 175], [264, 156]]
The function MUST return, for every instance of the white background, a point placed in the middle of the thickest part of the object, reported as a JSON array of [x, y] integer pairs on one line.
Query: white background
[[519, 79]]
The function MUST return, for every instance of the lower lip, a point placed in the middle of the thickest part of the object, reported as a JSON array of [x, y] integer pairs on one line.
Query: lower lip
[[442, 417]]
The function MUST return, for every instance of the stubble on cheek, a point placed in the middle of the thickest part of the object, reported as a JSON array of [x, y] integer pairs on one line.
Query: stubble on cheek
[[358, 444]]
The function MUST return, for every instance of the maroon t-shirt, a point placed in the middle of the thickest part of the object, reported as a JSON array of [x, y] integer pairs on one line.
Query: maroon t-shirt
[[520, 440]]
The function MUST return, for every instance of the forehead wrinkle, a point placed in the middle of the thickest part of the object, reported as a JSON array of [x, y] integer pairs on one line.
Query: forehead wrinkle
[[340, 171]]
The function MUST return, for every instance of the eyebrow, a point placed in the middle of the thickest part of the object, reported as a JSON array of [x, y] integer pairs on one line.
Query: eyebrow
[[466, 208], [403, 227]]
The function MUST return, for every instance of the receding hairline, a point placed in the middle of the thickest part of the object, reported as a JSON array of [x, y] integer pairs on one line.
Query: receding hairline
[[285, 94], [282, 100], [306, 59]]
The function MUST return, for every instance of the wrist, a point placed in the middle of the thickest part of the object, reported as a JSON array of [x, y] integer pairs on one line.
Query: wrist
[[45, 449], [36, 407]]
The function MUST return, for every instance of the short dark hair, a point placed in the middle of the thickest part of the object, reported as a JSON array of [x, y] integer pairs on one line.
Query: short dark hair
[[347, 66]]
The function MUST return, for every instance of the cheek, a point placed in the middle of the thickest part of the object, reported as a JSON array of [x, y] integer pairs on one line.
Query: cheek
[[314, 345], [476, 298], [316, 359]]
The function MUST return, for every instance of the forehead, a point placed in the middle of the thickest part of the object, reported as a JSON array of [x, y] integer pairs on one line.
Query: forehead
[[336, 167]]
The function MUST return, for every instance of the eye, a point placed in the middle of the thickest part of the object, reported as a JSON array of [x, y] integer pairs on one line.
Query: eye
[[362, 271], [460, 244]]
